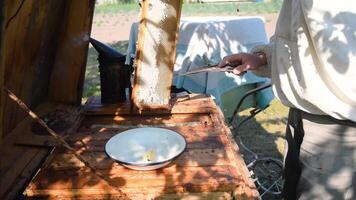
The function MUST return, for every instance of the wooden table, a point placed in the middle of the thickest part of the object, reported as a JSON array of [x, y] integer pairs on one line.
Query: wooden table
[[210, 168]]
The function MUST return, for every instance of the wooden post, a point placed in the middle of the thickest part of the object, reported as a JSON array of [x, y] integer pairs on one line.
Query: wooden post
[[156, 51], [29, 41], [2, 67], [68, 73]]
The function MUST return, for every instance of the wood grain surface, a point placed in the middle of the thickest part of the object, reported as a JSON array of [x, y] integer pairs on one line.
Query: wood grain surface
[[210, 167], [67, 78], [20, 160], [43, 53]]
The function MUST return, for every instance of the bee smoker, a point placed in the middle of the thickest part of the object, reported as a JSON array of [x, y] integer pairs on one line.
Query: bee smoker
[[114, 73]]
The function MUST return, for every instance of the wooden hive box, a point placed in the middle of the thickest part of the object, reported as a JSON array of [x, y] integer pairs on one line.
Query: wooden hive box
[[44, 47], [210, 167]]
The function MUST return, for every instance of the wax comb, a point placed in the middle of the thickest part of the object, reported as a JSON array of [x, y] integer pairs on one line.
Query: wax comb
[[156, 50]]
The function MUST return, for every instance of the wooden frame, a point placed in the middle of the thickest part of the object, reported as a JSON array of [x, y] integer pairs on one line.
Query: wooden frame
[[156, 50]]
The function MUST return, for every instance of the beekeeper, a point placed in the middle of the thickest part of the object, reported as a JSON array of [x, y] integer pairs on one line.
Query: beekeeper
[[311, 60]]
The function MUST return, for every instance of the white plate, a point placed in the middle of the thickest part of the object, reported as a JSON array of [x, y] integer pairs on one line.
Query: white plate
[[145, 148]]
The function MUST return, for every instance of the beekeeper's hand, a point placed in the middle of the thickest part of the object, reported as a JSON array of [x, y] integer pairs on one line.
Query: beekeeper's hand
[[244, 62]]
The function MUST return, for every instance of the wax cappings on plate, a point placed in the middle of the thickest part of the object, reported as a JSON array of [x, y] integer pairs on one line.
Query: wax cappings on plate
[[145, 148]]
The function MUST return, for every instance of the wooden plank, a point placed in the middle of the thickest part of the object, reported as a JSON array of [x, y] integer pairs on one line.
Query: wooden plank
[[137, 121], [156, 51], [36, 140], [247, 191], [15, 73], [11, 174], [23, 179], [191, 157], [31, 24], [194, 103], [67, 77], [126, 178], [168, 180], [18, 164], [10, 151], [98, 143], [155, 193], [2, 68], [87, 134]]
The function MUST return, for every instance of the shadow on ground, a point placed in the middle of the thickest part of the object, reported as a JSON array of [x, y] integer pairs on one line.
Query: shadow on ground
[[264, 134]]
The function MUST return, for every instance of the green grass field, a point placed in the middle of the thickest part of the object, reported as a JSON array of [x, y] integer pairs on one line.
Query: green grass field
[[193, 9]]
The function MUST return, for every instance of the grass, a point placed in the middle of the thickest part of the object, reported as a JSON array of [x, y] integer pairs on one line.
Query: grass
[[116, 8], [256, 134], [263, 134], [190, 9], [231, 8]]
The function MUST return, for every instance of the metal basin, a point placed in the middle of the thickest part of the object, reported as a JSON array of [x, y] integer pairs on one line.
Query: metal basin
[[145, 148]]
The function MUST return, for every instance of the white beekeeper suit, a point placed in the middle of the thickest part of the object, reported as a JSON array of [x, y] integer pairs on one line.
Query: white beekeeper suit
[[312, 62], [313, 53]]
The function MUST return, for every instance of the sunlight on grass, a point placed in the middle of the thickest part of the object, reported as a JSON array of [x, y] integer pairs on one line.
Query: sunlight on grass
[[264, 134], [231, 8], [194, 9]]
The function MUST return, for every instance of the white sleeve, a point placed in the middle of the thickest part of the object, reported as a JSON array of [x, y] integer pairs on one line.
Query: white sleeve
[[264, 71]]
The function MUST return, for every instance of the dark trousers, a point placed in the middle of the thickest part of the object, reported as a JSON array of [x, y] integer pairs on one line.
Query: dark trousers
[[320, 159]]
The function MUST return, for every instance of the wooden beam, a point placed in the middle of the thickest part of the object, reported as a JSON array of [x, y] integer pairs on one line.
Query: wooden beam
[[2, 67], [29, 42], [178, 105], [157, 39], [67, 78]]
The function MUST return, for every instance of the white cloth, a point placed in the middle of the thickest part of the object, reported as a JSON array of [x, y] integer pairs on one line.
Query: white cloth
[[314, 57], [205, 41], [131, 49]]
